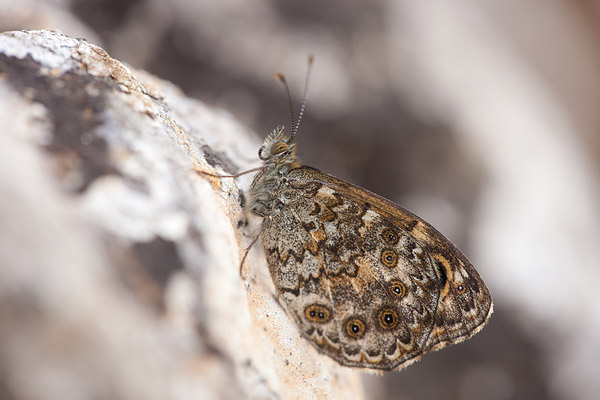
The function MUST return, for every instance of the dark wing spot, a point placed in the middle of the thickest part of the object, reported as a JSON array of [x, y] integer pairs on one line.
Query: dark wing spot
[[441, 272], [397, 288], [327, 216], [388, 318], [389, 258], [316, 210], [392, 349], [351, 351], [318, 313], [355, 328], [310, 226], [373, 352], [390, 236]]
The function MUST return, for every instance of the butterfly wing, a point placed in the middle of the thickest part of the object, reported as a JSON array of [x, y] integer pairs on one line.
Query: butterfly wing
[[367, 282]]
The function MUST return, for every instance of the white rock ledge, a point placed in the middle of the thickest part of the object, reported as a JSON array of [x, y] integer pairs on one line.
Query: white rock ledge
[[118, 262]]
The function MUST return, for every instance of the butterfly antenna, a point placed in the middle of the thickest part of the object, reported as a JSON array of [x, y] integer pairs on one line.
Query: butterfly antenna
[[281, 79], [309, 62]]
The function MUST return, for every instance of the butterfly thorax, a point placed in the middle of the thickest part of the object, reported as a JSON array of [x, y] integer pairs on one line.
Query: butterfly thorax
[[279, 155]]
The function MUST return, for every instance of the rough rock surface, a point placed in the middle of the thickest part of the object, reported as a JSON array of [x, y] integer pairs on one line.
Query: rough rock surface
[[118, 261]]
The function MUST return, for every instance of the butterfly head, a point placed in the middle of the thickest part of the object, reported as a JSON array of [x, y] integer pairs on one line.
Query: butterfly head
[[278, 148]]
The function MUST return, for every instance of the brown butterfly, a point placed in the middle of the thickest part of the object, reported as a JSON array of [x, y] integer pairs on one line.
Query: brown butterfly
[[367, 282]]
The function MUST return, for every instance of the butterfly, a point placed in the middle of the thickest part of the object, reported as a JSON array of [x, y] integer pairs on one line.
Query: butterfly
[[367, 282]]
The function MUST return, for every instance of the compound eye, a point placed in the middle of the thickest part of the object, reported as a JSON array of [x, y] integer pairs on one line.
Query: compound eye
[[260, 153]]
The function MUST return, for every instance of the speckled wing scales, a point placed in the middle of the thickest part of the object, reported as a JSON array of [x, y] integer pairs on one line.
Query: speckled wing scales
[[368, 283]]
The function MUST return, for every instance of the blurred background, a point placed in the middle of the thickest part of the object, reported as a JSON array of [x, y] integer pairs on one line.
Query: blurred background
[[480, 116]]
